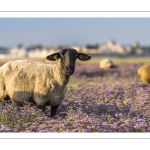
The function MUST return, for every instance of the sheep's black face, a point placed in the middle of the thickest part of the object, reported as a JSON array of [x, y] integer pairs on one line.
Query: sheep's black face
[[68, 58]]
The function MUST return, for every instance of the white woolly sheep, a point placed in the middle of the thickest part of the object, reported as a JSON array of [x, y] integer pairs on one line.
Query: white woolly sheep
[[42, 83], [144, 73], [106, 63]]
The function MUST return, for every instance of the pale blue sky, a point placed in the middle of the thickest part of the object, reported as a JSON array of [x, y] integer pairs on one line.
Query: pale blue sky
[[73, 31]]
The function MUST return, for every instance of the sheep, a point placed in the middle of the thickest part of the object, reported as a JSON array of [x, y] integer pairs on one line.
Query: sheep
[[106, 63], [45, 84], [144, 73]]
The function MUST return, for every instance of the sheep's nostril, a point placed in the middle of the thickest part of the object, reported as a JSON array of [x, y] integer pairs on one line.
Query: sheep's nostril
[[69, 69]]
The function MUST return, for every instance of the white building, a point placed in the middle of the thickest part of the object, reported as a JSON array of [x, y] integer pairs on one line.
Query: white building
[[18, 52]]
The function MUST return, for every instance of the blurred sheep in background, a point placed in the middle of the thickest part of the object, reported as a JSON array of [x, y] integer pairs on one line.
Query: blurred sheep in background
[[106, 63], [144, 73]]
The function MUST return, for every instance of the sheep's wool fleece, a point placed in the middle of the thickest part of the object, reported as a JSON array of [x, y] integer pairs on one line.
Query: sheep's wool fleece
[[105, 63], [42, 81], [144, 73]]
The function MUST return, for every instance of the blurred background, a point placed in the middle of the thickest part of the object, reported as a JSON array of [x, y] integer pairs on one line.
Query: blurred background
[[100, 37]]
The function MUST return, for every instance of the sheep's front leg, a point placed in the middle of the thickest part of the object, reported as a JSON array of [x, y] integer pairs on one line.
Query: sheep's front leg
[[54, 110], [16, 105]]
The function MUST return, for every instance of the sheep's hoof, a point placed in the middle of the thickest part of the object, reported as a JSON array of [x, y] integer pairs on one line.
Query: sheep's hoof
[[55, 116], [48, 115], [41, 107], [7, 97], [54, 110]]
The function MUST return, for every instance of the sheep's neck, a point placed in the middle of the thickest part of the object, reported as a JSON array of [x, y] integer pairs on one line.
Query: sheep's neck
[[61, 78]]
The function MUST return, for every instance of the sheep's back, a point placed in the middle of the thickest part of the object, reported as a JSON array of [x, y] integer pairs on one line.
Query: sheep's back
[[36, 73], [10, 68]]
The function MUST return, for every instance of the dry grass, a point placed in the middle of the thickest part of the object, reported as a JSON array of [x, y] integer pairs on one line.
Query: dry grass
[[118, 60]]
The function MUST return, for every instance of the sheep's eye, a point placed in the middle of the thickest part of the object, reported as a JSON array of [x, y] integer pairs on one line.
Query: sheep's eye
[[55, 57], [80, 56]]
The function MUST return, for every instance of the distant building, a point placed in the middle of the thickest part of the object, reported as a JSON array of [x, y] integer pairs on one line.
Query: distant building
[[38, 51], [41, 53], [135, 45], [78, 48], [111, 47], [18, 52]]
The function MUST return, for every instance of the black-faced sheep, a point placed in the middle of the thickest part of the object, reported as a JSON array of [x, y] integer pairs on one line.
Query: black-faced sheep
[[144, 73], [43, 83]]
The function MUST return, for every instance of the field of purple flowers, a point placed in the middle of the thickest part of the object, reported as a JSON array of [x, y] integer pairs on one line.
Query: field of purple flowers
[[97, 100]]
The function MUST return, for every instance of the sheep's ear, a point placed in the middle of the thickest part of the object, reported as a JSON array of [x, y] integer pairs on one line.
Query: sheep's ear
[[83, 57], [54, 56]]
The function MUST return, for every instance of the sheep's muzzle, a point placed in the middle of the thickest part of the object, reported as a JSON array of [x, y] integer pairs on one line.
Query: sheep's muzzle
[[69, 70]]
